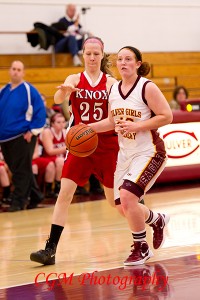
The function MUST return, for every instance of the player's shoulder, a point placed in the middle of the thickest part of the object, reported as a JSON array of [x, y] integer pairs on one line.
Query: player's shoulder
[[150, 85], [111, 79], [74, 76], [110, 82], [46, 132], [73, 79]]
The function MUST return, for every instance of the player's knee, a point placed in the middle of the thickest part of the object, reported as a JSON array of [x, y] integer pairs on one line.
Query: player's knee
[[59, 162], [51, 167], [127, 199], [64, 196]]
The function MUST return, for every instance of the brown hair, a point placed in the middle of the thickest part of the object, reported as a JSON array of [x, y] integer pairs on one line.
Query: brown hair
[[105, 62], [55, 116], [177, 89], [144, 69]]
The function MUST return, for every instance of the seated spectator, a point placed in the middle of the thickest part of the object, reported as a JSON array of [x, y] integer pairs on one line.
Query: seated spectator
[[180, 94], [5, 184], [53, 142], [66, 35], [72, 40], [44, 171]]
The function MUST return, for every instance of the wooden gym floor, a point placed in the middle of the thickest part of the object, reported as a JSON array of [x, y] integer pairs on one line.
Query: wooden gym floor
[[93, 246]]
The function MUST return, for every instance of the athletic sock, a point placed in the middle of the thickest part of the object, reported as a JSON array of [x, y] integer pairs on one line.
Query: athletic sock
[[139, 236], [56, 231], [152, 217]]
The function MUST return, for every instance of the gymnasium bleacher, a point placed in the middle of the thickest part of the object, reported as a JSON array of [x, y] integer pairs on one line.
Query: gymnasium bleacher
[[168, 69]]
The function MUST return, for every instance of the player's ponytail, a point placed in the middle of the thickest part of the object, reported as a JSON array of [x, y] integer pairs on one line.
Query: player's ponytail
[[106, 64]]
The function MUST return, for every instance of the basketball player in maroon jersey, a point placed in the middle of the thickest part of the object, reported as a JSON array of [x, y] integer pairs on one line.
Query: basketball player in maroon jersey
[[88, 103]]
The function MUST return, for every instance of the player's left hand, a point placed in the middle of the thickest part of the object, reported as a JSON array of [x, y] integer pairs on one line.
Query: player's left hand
[[125, 127]]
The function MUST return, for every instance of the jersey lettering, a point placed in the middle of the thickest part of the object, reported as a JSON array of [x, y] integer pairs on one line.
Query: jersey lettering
[[117, 112], [87, 94], [128, 112], [133, 113]]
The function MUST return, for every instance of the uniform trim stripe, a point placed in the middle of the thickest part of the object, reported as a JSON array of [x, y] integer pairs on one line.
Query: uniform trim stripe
[[132, 187], [150, 217], [143, 92]]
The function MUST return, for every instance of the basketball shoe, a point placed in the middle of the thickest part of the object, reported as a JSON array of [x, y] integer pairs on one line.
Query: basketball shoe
[[158, 230], [139, 254], [45, 257]]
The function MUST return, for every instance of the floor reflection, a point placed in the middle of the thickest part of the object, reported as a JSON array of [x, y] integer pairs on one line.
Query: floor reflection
[[169, 279]]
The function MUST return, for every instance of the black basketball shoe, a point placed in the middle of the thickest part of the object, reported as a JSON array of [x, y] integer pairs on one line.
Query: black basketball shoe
[[45, 257]]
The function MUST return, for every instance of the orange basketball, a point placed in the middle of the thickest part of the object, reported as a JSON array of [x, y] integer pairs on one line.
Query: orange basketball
[[81, 140]]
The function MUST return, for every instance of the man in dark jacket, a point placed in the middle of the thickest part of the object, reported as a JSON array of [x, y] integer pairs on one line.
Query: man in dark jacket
[[73, 38]]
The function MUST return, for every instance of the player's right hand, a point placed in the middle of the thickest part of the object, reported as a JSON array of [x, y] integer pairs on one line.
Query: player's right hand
[[67, 88]]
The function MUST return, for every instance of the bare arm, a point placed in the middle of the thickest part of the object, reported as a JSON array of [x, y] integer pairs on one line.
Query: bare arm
[[104, 125], [36, 150], [65, 89], [110, 82], [158, 104]]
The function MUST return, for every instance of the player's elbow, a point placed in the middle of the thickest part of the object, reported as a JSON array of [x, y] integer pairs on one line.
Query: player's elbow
[[58, 99], [169, 117]]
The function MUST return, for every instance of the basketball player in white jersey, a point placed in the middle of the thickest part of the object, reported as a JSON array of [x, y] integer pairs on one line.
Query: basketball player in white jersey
[[137, 109]]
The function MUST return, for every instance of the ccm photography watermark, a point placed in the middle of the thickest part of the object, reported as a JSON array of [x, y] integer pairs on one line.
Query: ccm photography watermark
[[57, 279]]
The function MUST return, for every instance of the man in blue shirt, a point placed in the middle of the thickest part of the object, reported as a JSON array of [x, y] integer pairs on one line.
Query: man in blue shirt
[[22, 117]]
